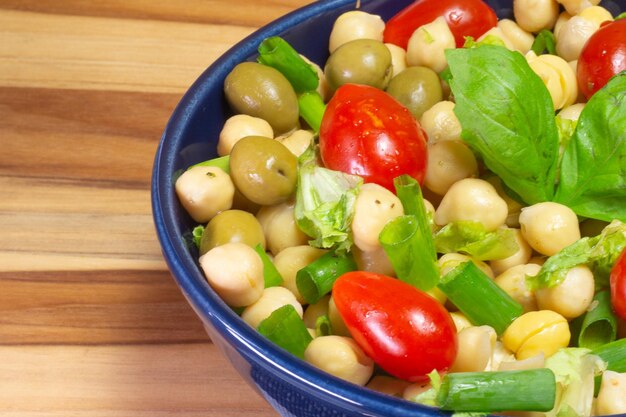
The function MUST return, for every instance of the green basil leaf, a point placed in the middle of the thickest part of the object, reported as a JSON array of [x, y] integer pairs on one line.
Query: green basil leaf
[[593, 170], [507, 117]]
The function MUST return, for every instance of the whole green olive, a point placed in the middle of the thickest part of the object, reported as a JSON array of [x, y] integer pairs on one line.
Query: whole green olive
[[263, 169], [417, 88], [361, 61], [232, 226], [262, 91]]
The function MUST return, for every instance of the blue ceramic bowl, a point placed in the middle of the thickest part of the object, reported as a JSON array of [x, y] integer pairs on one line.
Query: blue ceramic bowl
[[291, 386]]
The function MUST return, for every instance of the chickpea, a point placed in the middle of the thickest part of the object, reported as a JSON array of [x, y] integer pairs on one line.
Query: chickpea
[[355, 24], [514, 207], [373, 261], [272, 299], [572, 112], [398, 58], [290, 260], [563, 18], [239, 126], [533, 362], [336, 321], [537, 331], [448, 162], [416, 389], [500, 354], [476, 346], [520, 39], [297, 141], [472, 199], [612, 395], [340, 356], [535, 15], [280, 228], [315, 311], [572, 297], [374, 207], [235, 272], [460, 321], [388, 385], [496, 32], [204, 192], [558, 77], [440, 123], [428, 43], [574, 33], [513, 282], [577, 6], [549, 227], [449, 261], [520, 257]]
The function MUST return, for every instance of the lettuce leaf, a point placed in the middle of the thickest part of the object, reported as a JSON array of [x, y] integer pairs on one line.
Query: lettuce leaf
[[325, 203], [472, 239], [575, 370], [599, 253]]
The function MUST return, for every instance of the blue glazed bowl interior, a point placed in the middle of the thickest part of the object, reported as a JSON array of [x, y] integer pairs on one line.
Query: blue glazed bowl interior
[[292, 386]]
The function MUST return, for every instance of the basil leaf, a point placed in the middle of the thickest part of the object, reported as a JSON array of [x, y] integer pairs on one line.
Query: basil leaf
[[593, 171], [507, 117]]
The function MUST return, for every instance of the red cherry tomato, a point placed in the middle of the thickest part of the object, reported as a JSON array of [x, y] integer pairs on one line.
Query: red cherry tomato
[[464, 17], [404, 330], [367, 132], [618, 286], [602, 57]]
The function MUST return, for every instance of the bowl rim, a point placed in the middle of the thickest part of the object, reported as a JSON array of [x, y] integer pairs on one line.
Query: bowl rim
[[197, 291]]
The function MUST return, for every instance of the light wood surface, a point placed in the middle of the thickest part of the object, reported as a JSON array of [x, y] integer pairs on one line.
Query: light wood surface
[[91, 323]]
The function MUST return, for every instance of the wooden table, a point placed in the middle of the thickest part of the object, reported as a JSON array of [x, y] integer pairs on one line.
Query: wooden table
[[91, 323]]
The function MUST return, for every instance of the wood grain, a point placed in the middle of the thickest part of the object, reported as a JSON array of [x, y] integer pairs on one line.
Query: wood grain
[[91, 322]]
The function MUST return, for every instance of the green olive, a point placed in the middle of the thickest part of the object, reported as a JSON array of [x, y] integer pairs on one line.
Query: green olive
[[262, 91], [263, 169], [361, 61], [417, 88], [232, 226]]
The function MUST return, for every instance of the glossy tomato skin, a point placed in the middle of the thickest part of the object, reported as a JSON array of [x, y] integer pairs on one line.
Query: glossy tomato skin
[[367, 132], [464, 17], [602, 57], [618, 286], [404, 330]]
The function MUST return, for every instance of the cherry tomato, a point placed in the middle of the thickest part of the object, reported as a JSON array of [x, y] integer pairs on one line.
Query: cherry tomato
[[366, 132], [618, 286], [602, 57], [404, 330], [464, 17]]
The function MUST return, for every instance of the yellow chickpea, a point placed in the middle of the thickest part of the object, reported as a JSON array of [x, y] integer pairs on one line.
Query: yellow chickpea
[[537, 331]]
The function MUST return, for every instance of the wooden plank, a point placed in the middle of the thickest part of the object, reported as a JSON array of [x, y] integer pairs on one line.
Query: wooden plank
[[233, 12], [94, 307], [189, 380], [113, 54], [85, 135]]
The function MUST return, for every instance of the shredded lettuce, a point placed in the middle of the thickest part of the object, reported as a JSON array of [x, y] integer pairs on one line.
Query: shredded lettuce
[[599, 253], [325, 203], [473, 239], [575, 370], [429, 397]]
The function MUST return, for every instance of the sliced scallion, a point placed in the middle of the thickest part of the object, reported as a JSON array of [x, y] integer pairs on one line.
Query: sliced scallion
[[527, 390], [599, 326], [270, 274], [408, 240], [285, 328], [222, 162], [312, 108], [316, 279], [279, 54], [614, 354], [478, 297]]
